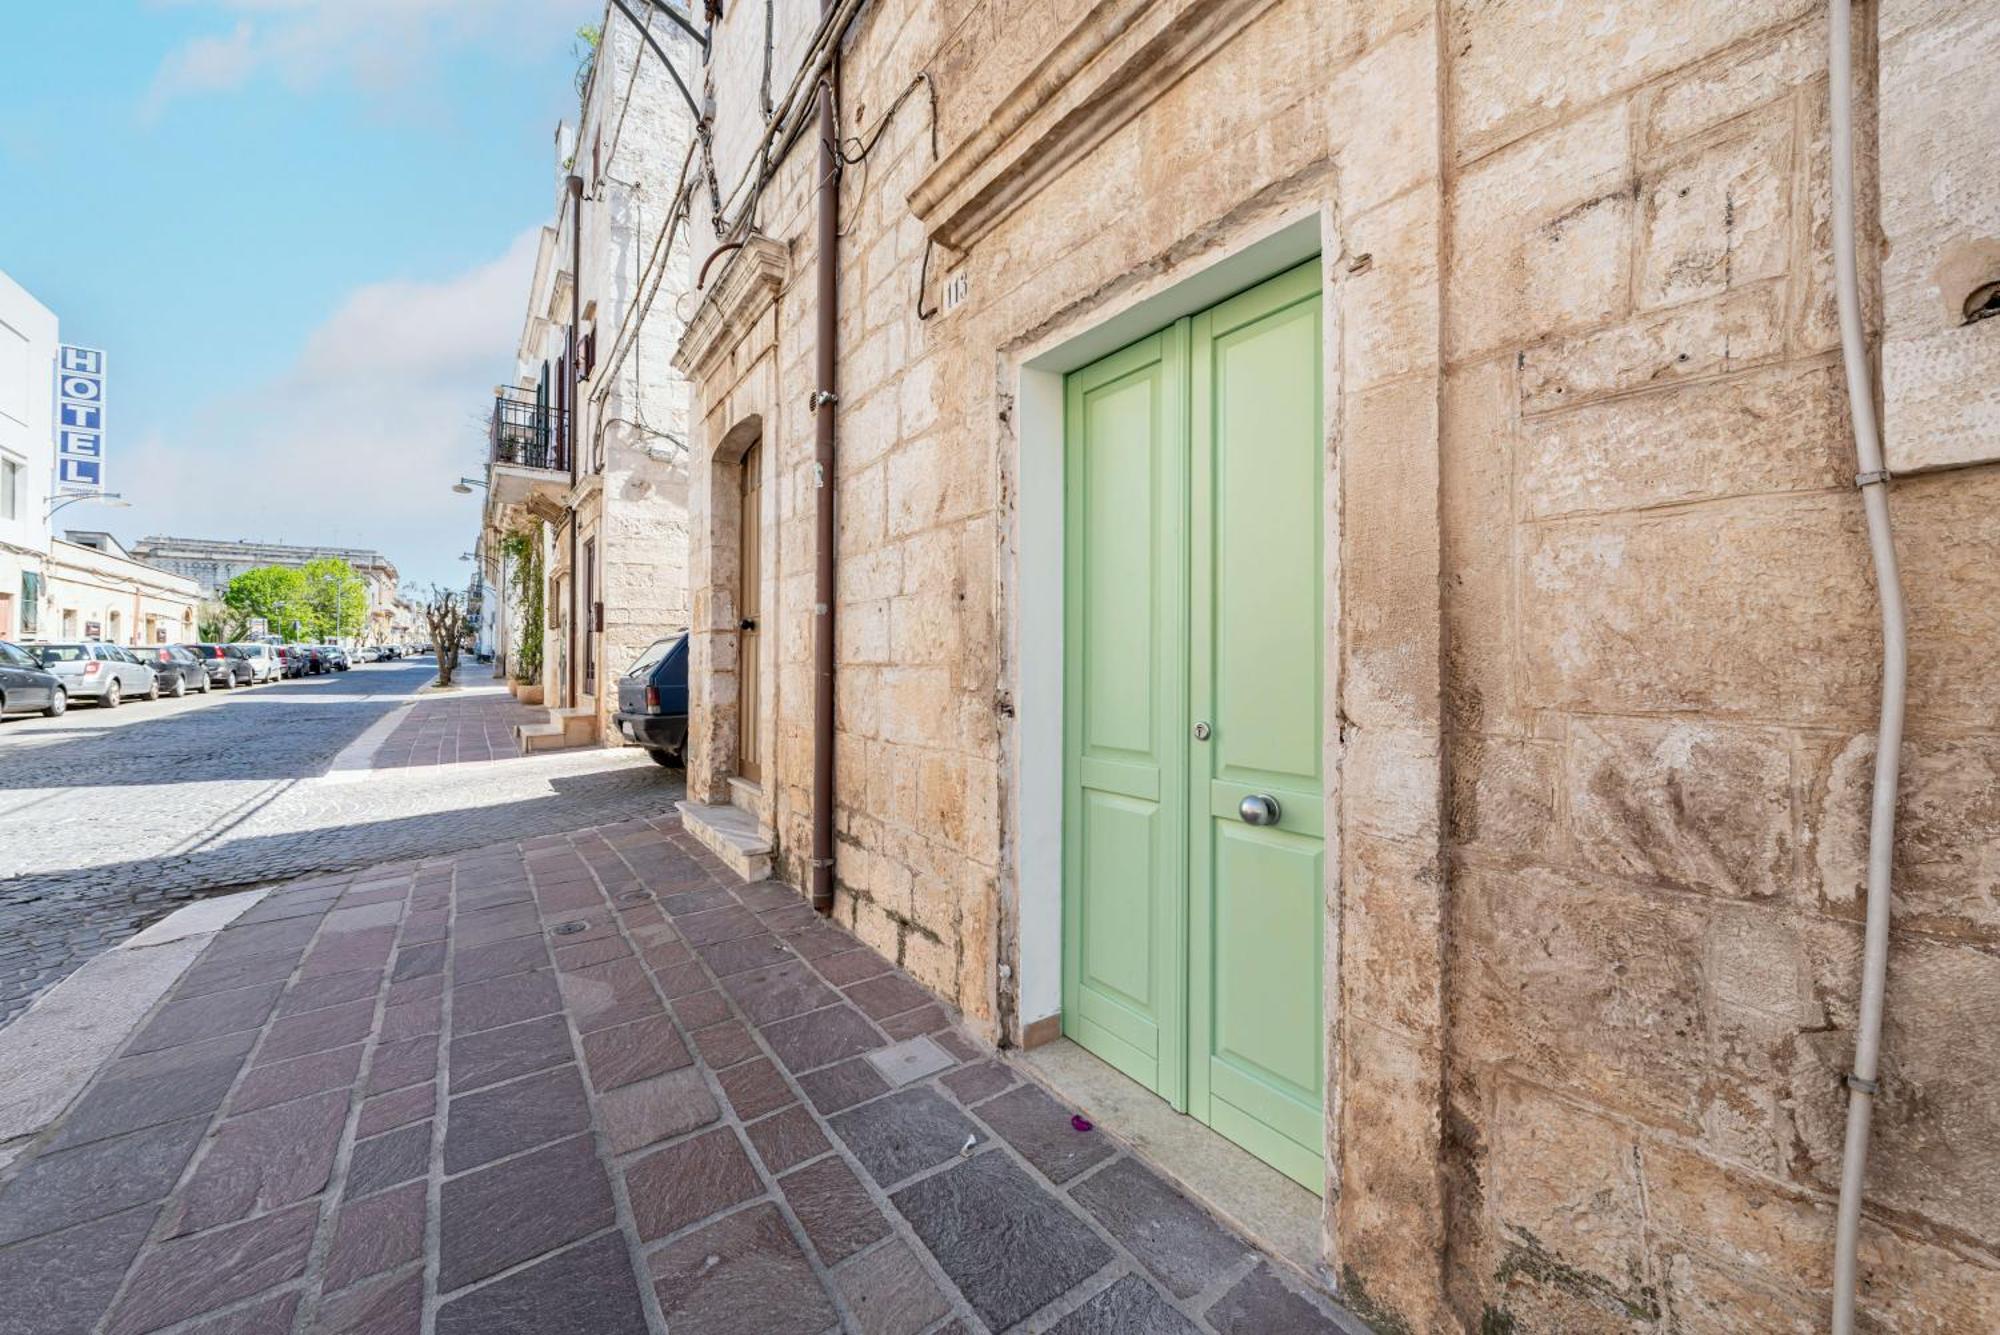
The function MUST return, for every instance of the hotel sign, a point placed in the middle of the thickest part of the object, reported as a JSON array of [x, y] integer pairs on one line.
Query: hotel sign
[[79, 420]]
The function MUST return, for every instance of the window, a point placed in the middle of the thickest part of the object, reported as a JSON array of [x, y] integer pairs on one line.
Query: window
[[31, 603], [13, 489]]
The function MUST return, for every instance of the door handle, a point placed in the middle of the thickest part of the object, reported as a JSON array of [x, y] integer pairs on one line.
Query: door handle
[[1260, 809]]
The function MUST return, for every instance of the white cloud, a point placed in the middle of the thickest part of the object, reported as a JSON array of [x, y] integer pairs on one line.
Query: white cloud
[[206, 64], [376, 44], [359, 441]]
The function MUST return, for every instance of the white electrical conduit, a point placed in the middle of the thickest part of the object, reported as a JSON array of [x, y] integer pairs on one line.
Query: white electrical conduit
[[1872, 481]]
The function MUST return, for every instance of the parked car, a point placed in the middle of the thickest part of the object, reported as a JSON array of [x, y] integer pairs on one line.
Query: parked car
[[226, 664], [25, 686], [91, 670], [265, 665], [178, 670], [336, 657], [653, 699], [288, 660], [371, 653]]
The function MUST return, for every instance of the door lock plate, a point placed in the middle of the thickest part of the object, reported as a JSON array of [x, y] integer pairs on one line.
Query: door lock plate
[[1201, 732]]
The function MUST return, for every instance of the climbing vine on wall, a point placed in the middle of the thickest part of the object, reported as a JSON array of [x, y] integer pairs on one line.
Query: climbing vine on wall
[[524, 561]]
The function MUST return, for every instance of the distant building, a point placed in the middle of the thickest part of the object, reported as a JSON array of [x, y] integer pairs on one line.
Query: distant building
[[212, 563], [95, 590], [588, 440]]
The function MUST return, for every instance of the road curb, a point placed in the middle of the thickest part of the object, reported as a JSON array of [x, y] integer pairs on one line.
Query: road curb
[[52, 1049], [356, 760]]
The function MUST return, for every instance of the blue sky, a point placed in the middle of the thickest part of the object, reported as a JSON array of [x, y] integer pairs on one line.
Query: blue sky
[[302, 230]]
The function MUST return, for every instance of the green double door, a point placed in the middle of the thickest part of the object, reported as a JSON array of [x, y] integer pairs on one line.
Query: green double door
[[1193, 851]]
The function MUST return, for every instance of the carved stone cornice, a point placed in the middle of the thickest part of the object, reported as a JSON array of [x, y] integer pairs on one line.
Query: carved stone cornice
[[745, 286], [1119, 57]]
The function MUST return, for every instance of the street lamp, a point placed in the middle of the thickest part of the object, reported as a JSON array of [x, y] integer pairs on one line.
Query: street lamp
[[111, 498], [465, 485]]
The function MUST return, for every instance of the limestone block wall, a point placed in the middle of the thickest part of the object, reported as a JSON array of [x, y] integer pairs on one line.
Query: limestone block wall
[[1661, 668], [1602, 634]]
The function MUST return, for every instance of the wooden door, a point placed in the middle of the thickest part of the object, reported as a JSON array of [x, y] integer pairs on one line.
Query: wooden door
[[1192, 841], [590, 626], [749, 590], [1125, 844], [1256, 1069]]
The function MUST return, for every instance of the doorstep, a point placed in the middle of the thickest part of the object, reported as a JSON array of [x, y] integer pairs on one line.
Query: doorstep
[[1263, 1204], [732, 834]]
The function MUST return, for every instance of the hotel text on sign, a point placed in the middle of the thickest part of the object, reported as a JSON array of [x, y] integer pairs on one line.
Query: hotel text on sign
[[80, 420]]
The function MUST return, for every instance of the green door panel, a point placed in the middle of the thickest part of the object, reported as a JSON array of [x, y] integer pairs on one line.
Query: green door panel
[[1192, 940], [1124, 783], [1256, 1066]]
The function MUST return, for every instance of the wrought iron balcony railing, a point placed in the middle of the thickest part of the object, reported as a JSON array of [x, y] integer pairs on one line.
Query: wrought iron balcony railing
[[528, 434]]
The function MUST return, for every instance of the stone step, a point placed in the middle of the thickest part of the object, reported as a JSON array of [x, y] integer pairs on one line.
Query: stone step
[[561, 730], [732, 834]]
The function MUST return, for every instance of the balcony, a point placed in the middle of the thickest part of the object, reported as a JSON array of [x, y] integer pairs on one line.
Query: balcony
[[529, 440]]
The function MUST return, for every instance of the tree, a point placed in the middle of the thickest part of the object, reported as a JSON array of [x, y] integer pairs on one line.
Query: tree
[[445, 615], [336, 598], [275, 593], [219, 623]]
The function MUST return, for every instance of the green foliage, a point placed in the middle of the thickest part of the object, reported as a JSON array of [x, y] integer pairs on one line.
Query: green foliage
[[317, 602], [219, 623], [588, 38], [275, 593], [524, 561], [336, 599]]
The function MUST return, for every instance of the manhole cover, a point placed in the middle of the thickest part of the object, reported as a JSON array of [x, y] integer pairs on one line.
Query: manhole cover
[[572, 928]]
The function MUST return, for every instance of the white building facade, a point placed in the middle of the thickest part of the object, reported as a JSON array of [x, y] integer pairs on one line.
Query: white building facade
[[95, 590], [589, 453], [29, 335]]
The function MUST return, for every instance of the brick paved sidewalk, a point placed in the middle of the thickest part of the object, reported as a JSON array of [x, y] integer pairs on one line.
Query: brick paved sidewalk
[[580, 1084], [445, 729]]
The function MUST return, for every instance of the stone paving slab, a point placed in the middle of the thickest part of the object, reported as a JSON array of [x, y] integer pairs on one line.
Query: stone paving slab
[[585, 1083], [447, 729]]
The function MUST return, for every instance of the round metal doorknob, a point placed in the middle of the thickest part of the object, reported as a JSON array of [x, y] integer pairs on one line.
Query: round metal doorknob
[[1259, 809]]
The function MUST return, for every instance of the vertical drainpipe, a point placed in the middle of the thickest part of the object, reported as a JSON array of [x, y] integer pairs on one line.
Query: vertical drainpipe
[[575, 413], [823, 408]]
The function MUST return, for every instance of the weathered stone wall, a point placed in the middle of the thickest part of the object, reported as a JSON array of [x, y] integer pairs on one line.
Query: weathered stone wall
[[1602, 629], [1662, 668]]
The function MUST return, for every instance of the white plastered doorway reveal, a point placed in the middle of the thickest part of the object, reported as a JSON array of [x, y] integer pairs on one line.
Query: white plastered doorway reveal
[[1257, 1198]]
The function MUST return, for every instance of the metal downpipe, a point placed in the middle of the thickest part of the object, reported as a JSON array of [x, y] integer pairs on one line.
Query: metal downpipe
[[826, 331], [1873, 482], [575, 184]]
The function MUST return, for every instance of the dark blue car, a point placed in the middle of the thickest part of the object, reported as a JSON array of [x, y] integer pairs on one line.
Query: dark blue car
[[653, 699]]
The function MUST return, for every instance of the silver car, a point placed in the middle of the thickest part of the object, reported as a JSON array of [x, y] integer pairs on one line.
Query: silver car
[[90, 670], [265, 664]]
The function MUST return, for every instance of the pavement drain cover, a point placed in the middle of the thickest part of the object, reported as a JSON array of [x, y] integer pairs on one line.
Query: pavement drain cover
[[572, 928], [912, 1059], [634, 897]]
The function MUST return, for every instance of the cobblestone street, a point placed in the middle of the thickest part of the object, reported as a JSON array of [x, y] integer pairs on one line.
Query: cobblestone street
[[584, 1084], [111, 818]]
